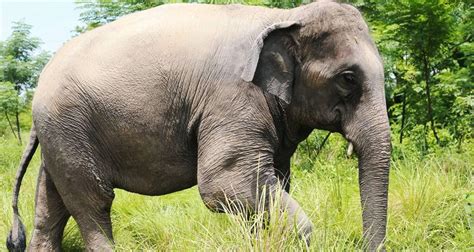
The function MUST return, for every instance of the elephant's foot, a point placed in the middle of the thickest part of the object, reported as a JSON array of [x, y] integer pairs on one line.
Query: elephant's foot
[[297, 217]]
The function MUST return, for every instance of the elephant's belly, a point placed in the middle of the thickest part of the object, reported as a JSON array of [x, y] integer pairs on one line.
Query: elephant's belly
[[154, 162], [159, 175], [150, 145]]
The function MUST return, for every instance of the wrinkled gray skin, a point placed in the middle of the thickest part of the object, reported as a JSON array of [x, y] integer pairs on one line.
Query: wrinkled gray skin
[[218, 96]]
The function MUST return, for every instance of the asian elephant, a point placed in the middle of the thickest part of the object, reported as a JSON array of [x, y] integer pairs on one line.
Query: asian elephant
[[219, 96]]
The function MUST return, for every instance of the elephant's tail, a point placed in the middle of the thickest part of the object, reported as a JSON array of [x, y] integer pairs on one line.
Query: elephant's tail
[[16, 240]]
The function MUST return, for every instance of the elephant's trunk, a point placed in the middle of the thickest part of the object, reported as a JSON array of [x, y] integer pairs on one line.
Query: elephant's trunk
[[369, 131]]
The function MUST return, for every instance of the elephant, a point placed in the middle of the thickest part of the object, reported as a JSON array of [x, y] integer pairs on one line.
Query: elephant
[[217, 96]]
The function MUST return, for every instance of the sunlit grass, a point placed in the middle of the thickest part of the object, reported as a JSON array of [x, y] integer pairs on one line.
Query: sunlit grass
[[427, 200]]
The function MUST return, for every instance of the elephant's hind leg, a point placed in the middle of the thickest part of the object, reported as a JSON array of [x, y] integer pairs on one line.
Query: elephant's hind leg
[[96, 226], [83, 180], [51, 216], [90, 205]]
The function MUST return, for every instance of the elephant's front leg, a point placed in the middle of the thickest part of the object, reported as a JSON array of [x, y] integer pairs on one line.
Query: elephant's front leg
[[236, 169], [283, 172]]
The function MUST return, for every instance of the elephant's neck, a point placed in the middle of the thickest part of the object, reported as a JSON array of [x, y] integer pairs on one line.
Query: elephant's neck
[[290, 133]]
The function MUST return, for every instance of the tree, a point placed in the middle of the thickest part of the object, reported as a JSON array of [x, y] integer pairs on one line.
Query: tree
[[8, 102], [427, 52], [421, 28], [20, 68], [99, 12]]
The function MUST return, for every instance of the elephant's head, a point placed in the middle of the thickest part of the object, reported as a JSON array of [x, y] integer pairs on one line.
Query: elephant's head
[[326, 69]]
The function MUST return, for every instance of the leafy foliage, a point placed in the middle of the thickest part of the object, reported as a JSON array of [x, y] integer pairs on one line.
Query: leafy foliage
[[20, 67], [427, 51], [97, 13], [20, 64]]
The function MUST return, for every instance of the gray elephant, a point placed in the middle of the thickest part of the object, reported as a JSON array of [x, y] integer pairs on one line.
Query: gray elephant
[[219, 96]]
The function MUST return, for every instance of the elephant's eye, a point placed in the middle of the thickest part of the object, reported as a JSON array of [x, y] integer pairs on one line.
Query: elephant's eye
[[347, 84], [349, 77]]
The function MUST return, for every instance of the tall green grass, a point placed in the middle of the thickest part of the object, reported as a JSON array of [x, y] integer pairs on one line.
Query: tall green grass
[[428, 208]]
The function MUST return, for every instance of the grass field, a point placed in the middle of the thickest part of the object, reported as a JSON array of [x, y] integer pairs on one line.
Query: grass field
[[428, 207]]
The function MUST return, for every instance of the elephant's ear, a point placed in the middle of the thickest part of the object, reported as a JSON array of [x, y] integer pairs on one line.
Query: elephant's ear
[[271, 64]]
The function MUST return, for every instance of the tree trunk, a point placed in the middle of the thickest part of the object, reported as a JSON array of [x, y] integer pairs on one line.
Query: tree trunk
[[18, 126], [460, 143], [322, 144], [403, 114], [404, 101], [428, 97], [10, 123], [425, 140], [17, 113]]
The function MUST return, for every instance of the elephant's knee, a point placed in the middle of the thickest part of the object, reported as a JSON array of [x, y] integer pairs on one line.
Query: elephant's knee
[[214, 201], [225, 201]]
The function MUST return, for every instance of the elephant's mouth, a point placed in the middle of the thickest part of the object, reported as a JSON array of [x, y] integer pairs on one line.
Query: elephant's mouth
[[329, 127]]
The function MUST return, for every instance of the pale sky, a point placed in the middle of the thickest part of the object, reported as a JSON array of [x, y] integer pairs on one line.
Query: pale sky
[[53, 20]]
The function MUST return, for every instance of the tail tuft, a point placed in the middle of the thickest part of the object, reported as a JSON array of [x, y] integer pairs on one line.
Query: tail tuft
[[16, 240]]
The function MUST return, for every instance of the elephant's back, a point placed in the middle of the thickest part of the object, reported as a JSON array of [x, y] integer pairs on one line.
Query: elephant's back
[[140, 58], [164, 38], [136, 54]]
